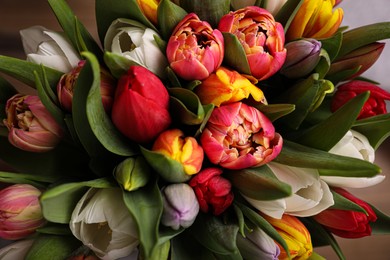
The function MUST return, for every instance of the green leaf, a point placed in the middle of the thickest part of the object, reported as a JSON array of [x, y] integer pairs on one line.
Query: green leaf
[[55, 229], [235, 55], [172, 78], [33, 179], [342, 75], [186, 247], [382, 225], [334, 127], [210, 11], [208, 109], [146, 206], [186, 106], [323, 65], [240, 219], [297, 155], [59, 201], [332, 45], [375, 128], [100, 122], [259, 183], [169, 15], [287, 13], [343, 203], [51, 247], [315, 256], [117, 64], [275, 111], [24, 71]]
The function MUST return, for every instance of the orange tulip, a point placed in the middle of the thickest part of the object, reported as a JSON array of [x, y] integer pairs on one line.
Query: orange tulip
[[149, 9]]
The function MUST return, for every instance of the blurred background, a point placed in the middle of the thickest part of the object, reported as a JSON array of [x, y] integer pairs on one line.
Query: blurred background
[[19, 14]]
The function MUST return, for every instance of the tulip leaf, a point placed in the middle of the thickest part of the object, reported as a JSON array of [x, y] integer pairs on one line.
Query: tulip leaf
[[172, 78], [188, 248], [6, 92], [34, 180], [108, 11], [186, 106], [287, 13], [375, 128], [297, 155], [342, 203], [72, 27], [210, 11], [146, 207], [361, 36], [169, 15], [240, 219], [168, 168], [343, 118], [235, 55], [55, 229], [208, 110], [342, 75], [382, 224], [332, 45], [100, 122], [117, 64], [275, 111], [323, 65], [59, 201], [52, 247], [259, 183], [24, 71]]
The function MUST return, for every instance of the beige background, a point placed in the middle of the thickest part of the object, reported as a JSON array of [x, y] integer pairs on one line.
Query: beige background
[[19, 14]]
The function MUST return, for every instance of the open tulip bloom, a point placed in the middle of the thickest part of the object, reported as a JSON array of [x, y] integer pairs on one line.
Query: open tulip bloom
[[191, 130]]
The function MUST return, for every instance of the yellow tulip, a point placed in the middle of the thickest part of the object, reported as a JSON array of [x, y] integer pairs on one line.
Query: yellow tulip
[[315, 19], [149, 9]]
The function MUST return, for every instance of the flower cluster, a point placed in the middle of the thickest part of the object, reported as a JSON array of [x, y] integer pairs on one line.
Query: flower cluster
[[192, 122]]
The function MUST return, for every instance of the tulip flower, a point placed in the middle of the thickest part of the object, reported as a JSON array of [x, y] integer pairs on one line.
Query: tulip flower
[[194, 49], [20, 211], [261, 37], [296, 236], [67, 83], [133, 173], [180, 206], [310, 194], [140, 108], [136, 43], [375, 105], [315, 19], [102, 222], [16, 250], [302, 57], [227, 86], [238, 136], [355, 145], [347, 223], [31, 127], [50, 48], [185, 150], [149, 9], [212, 191], [274, 6], [257, 245]]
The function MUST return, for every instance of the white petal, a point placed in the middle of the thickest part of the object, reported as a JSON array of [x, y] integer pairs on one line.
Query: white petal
[[32, 37], [67, 49], [59, 63], [353, 182], [272, 208], [16, 250], [273, 6]]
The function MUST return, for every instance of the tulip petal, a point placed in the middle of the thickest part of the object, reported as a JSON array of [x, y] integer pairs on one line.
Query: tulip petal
[[349, 182], [68, 50], [272, 208], [56, 62]]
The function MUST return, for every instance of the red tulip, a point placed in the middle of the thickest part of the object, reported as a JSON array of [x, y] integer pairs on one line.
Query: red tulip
[[347, 223], [375, 105], [212, 191], [140, 108], [238, 136], [195, 50], [261, 37]]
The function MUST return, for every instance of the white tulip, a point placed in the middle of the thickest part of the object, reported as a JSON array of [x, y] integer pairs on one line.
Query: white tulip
[[238, 4], [102, 222], [273, 6], [16, 250], [50, 48], [355, 145], [310, 195], [137, 44]]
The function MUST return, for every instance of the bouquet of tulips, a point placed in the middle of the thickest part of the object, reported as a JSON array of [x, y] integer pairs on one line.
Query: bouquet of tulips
[[191, 130]]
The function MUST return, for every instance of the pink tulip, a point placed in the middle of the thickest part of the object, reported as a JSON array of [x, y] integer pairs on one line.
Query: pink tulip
[[140, 108], [261, 37], [238, 136], [31, 127], [195, 50], [20, 211]]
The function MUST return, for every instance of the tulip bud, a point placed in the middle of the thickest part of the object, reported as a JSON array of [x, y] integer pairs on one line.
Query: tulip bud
[[238, 136], [132, 173], [31, 127], [149, 9], [195, 50], [302, 57], [20, 211], [212, 191], [261, 37], [375, 105], [180, 206], [140, 108], [227, 86], [347, 223], [185, 150], [363, 57], [315, 19], [296, 236]]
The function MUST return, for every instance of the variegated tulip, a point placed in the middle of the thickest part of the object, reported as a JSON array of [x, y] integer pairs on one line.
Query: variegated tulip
[[186, 150], [31, 127], [295, 234], [50, 48], [238, 136], [149, 9], [20, 211], [180, 206], [227, 86], [16, 250], [194, 49], [261, 37], [102, 222], [315, 19]]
